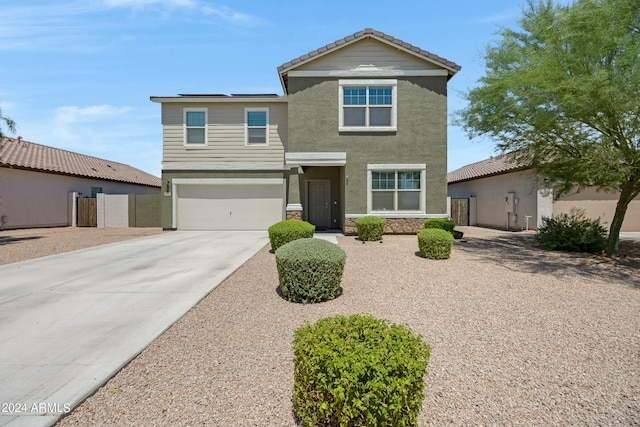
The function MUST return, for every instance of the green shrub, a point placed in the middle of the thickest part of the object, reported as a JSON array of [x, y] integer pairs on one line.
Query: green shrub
[[435, 243], [310, 270], [358, 371], [572, 232], [289, 230], [370, 228], [441, 223]]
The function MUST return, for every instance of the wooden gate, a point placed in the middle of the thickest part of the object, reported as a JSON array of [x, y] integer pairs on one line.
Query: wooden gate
[[87, 212], [460, 211]]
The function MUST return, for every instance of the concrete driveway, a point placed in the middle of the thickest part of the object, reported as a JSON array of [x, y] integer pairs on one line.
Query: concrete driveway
[[69, 322]]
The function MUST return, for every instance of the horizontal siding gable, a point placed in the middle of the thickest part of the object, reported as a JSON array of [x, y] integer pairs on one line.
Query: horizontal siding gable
[[367, 52], [225, 135]]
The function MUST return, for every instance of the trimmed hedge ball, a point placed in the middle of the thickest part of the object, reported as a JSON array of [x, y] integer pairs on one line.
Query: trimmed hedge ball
[[310, 270], [289, 230], [435, 243], [370, 228], [442, 223], [358, 371]]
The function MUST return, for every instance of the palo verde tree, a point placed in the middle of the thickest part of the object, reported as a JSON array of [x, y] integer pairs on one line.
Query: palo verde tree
[[6, 121], [10, 124], [562, 95]]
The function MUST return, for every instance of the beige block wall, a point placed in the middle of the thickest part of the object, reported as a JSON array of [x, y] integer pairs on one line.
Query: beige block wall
[[602, 205]]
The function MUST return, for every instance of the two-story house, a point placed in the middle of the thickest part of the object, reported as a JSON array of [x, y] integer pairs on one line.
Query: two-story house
[[360, 130]]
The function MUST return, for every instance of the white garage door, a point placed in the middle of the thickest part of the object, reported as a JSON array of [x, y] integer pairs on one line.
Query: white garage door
[[229, 206]]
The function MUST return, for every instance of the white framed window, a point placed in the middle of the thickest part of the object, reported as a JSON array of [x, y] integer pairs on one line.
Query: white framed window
[[368, 105], [396, 188], [195, 126], [256, 126]]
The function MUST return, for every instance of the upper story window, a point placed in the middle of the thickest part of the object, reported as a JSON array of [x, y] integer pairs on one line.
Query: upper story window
[[257, 126], [195, 126], [367, 105]]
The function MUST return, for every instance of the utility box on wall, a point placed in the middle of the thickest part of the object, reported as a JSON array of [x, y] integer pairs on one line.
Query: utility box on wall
[[510, 202]]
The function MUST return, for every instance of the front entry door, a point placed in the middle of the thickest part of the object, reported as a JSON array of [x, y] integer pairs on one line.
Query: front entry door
[[319, 202]]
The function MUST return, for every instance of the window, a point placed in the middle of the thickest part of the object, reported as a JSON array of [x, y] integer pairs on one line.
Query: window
[[195, 126], [257, 126], [396, 189], [95, 191], [367, 105]]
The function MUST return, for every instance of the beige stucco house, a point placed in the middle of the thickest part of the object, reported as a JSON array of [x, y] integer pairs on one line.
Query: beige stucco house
[[503, 195], [37, 183], [360, 129]]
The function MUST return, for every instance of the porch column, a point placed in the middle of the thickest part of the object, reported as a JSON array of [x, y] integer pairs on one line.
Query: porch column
[[294, 207]]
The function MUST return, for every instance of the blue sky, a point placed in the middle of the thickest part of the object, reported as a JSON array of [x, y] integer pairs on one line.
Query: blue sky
[[78, 75]]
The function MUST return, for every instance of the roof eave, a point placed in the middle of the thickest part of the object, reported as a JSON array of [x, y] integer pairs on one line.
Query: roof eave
[[215, 99]]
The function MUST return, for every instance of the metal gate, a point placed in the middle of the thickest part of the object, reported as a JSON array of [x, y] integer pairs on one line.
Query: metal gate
[[87, 212], [460, 211]]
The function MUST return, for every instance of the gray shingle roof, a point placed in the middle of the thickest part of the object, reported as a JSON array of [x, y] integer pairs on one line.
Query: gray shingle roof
[[369, 32], [482, 169], [28, 155]]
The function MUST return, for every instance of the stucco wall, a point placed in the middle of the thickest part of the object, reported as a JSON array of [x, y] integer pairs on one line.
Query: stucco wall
[[490, 196], [536, 199], [421, 135], [35, 199], [599, 204]]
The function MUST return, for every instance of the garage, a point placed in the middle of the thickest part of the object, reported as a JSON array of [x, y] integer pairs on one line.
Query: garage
[[229, 204]]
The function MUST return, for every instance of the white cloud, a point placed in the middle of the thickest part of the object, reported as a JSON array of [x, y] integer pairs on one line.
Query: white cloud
[[230, 15], [223, 12], [141, 4], [72, 114], [78, 25]]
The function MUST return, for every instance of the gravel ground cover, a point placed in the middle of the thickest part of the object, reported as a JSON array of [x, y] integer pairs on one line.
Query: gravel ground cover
[[29, 243], [519, 336]]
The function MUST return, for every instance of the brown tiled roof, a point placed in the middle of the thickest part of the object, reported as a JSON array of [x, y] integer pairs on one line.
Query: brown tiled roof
[[23, 154], [489, 167], [369, 32]]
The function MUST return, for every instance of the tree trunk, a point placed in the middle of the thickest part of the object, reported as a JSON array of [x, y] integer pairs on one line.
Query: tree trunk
[[626, 195]]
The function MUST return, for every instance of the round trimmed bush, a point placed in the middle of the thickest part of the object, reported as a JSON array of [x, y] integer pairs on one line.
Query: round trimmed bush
[[370, 228], [435, 243], [289, 230], [310, 270], [358, 371], [441, 223]]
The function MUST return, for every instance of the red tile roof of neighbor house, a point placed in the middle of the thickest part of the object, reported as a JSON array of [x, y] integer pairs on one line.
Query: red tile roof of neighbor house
[[482, 169], [370, 32], [18, 153]]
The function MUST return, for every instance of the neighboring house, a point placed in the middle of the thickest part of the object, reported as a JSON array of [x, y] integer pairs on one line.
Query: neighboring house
[[36, 182], [501, 194], [361, 130]]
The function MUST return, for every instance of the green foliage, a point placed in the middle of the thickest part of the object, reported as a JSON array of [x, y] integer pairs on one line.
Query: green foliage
[[358, 371], [561, 94], [289, 230], [572, 232], [370, 228], [11, 125], [435, 243], [310, 270], [441, 223]]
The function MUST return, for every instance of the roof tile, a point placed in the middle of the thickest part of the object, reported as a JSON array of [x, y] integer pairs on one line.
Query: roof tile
[[28, 155], [489, 167]]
